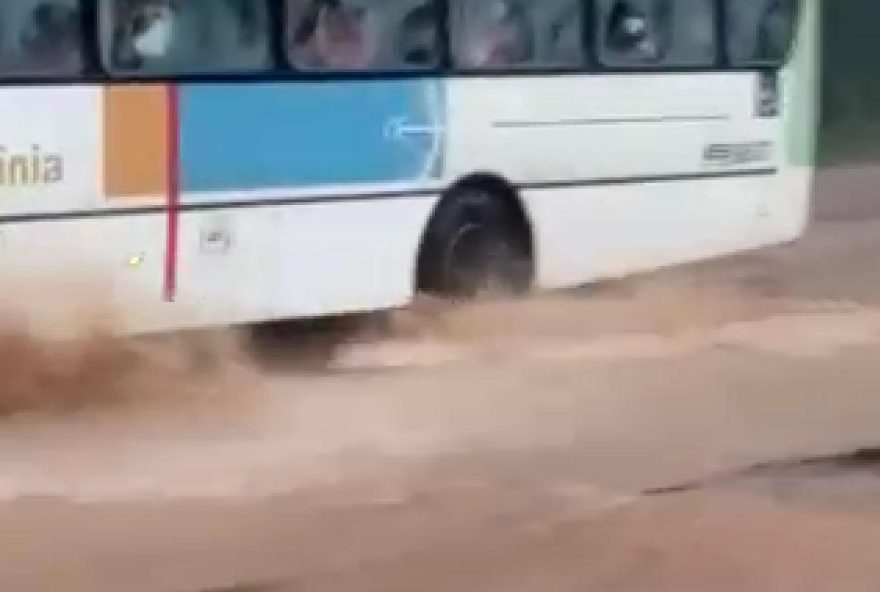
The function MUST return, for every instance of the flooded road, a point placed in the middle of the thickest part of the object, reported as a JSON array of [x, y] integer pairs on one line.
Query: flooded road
[[711, 428]]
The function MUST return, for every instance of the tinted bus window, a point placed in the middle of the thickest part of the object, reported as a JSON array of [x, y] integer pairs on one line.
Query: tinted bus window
[[167, 37], [656, 33], [347, 35], [759, 31], [493, 34], [40, 38]]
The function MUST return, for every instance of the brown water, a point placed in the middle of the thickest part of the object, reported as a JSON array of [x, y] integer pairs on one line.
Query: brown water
[[501, 446]]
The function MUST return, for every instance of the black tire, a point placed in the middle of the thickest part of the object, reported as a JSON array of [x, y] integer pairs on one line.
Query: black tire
[[476, 244]]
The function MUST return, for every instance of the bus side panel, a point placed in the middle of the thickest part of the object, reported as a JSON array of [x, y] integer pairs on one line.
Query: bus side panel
[[544, 129], [305, 260], [590, 233], [60, 269], [50, 149], [353, 150], [67, 276], [618, 171], [360, 136], [237, 265]]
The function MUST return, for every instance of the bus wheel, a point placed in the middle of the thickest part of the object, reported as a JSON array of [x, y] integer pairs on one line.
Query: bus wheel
[[476, 244]]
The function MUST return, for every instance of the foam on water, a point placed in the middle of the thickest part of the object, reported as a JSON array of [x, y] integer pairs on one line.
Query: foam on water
[[104, 419]]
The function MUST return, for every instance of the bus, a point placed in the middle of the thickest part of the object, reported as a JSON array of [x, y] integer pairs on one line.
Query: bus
[[221, 162]]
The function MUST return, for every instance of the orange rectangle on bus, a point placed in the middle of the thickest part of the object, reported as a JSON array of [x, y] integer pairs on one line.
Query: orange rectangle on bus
[[135, 141]]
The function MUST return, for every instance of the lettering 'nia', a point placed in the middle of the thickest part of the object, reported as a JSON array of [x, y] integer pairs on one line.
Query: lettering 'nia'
[[21, 169]]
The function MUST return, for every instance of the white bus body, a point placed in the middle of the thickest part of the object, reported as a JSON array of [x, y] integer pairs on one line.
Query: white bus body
[[617, 173]]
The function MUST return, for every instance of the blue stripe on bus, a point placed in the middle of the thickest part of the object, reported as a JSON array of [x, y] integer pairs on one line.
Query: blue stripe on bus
[[275, 135]]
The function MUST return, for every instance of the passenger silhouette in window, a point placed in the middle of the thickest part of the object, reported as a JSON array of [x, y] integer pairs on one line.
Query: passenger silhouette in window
[[247, 15], [507, 38], [760, 31], [144, 33], [775, 30], [332, 35], [636, 33], [51, 39], [418, 42]]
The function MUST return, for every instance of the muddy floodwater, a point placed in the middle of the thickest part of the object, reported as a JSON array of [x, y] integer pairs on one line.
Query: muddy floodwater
[[709, 428]]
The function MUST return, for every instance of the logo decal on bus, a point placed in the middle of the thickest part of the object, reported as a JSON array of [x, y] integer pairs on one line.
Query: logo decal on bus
[[30, 168], [737, 153]]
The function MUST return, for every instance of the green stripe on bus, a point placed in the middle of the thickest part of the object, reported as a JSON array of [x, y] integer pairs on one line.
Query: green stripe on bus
[[801, 89]]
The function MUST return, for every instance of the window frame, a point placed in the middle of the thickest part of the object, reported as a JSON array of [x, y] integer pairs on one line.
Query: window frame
[[759, 65], [586, 63], [10, 78], [718, 62], [285, 60], [104, 54], [280, 70]]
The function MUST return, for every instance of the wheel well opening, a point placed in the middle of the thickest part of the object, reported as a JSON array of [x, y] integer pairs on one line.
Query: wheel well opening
[[499, 188]]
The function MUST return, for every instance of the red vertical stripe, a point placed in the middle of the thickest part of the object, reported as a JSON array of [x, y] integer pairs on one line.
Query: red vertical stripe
[[173, 194]]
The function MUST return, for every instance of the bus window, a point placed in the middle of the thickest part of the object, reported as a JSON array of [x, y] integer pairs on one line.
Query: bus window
[[363, 35], [497, 34], [656, 33], [175, 37], [759, 32], [40, 38]]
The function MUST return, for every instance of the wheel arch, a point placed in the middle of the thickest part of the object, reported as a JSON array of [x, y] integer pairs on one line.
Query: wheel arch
[[499, 187]]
